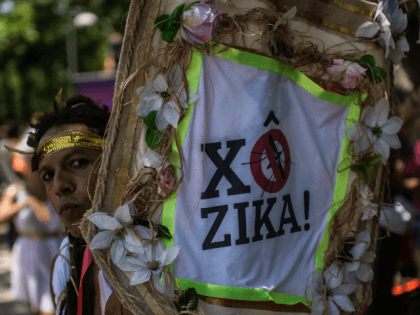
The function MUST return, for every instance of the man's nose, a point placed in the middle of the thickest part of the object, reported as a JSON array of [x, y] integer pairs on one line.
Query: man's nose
[[62, 183]]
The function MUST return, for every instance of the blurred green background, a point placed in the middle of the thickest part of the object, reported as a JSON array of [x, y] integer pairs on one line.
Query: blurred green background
[[33, 53]]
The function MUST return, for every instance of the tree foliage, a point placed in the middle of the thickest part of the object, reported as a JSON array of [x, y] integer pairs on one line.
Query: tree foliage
[[33, 60]]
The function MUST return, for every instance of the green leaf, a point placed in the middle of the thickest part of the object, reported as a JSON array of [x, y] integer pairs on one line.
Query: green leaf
[[365, 172], [169, 34], [150, 120], [178, 10], [188, 300], [351, 58], [369, 59], [162, 231], [384, 75], [373, 160], [192, 297], [377, 75], [161, 18], [153, 138]]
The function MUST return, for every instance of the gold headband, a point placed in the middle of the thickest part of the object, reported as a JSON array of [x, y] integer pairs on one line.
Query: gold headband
[[68, 139]]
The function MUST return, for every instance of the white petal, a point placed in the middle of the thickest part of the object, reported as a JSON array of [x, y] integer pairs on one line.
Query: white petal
[[364, 273], [104, 222], [392, 140], [353, 265], [175, 77], [318, 281], [156, 283], [172, 253], [368, 116], [148, 105], [352, 279], [290, 14], [403, 45], [161, 122], [395, 56], [364, 237], [193, 97], [170, 115], [140, 277], [102, 240], [145, 91], [344, 289], [368, 30], [135, 249], [343, 302], [392, 126], [318, 304], [160, 84], [131, 239], [382, 112], [333, 308], [182, 98], [122, 214], [129, 263], [118, 250], [367, 257], [333, 276], [363, 144], [382, 148], [353, 131]]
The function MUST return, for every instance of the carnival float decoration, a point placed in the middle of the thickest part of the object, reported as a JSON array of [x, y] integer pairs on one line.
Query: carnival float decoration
[[256, 129]]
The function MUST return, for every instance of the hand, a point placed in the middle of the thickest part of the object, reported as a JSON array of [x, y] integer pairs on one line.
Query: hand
[[8, 207]]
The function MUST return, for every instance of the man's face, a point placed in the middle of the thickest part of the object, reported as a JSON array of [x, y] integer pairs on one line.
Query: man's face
[[68, 179]]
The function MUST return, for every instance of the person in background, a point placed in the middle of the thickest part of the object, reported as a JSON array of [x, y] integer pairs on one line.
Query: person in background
[[40, 234], [9, 134]]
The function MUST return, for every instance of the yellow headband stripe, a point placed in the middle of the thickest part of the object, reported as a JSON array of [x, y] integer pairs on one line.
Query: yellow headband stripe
[[68, 139]]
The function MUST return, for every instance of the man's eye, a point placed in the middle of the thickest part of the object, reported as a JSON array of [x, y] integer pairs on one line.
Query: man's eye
[[80, 163], [47, 176]]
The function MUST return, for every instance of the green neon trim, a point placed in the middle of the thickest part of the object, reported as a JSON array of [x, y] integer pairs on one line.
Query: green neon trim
[[340, 186], [169, 206], [266, 63], [168, 214], [236, 293]]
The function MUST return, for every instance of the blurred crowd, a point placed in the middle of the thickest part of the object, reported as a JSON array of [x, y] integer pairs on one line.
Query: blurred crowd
[[35, 231]]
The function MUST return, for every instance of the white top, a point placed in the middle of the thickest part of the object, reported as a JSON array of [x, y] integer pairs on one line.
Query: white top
[[62, 273], [32, 257]]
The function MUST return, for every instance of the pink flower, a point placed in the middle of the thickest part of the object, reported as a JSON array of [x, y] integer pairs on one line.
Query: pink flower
[[349, 71], [200, 23], [166, 181]]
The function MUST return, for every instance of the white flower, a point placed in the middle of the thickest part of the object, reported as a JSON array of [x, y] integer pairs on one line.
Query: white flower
[[161, 94], [149, 264], [124, 240], [369, 209], [337, 293], [153, 160], [359, 268], [379, 130], [379, 25], [398, 21]]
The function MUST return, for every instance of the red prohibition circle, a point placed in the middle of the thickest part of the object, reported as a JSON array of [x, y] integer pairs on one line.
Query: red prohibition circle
[[281, 170]]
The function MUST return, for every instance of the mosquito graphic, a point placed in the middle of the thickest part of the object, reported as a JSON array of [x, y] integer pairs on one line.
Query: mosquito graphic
[[278, 159]]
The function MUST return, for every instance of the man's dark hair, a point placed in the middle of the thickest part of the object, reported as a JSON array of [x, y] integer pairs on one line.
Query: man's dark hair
[[78, 109]]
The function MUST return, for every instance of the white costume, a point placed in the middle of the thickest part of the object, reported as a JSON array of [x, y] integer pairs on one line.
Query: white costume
[[62, 273], [32, 255]]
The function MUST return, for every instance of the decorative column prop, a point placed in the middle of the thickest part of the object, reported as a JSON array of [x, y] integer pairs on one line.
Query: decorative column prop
[[246, 157]]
